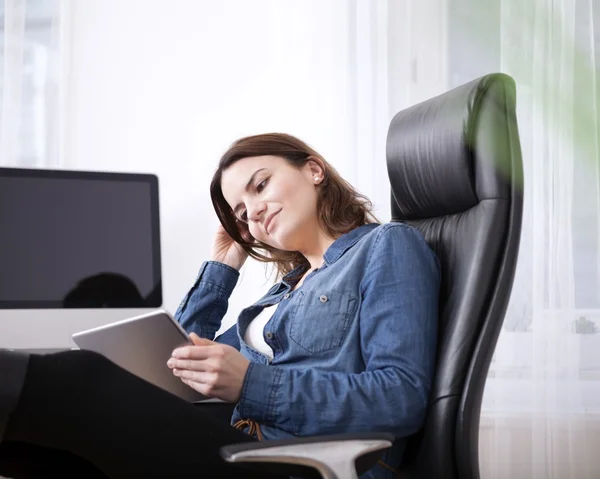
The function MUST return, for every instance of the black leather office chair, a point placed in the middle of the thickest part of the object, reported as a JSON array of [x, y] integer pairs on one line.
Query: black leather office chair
[[455, 168]]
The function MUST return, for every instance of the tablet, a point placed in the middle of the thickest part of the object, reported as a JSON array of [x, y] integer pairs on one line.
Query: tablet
[[142, 345]]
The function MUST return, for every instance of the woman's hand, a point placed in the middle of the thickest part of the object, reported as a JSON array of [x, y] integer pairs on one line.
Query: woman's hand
[[213, 369], [227, 251]]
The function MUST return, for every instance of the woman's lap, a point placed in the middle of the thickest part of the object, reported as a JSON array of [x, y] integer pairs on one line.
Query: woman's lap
[[80, 402], [25, 460]]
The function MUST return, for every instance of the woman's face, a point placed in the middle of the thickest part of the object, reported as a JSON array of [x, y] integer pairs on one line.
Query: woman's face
[[277, 200]]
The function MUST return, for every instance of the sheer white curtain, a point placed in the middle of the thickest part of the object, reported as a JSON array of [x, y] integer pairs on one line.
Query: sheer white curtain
[[368, 100], [541, 412], [29, 82], [393, 62]]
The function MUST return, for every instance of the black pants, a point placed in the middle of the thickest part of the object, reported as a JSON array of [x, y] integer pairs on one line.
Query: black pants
[[82, 416]]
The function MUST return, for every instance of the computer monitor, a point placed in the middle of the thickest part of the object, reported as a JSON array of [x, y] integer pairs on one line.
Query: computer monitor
[[77, 249]]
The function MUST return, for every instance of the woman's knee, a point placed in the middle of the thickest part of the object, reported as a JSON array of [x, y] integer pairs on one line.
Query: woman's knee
[[80, 364]]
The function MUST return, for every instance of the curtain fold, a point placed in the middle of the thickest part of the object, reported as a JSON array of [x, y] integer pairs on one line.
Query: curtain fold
[[30, 83], [368, 96], [12, 81]]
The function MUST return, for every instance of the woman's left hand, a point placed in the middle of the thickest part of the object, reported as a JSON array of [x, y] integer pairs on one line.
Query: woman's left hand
[[213, 369]]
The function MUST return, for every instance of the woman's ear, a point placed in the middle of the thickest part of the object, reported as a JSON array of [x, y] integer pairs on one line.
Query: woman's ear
[[316, 170]]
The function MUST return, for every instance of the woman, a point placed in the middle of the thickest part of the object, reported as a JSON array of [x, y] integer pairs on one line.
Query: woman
[[344, 342]]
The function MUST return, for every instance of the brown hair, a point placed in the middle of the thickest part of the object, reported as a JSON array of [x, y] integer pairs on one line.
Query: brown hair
[[341, 208]]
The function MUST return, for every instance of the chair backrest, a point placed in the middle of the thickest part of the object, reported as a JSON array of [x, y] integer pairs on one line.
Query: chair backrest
[[455, 169]]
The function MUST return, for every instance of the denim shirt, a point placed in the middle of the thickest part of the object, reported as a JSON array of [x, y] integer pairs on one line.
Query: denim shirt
[[353, 347]]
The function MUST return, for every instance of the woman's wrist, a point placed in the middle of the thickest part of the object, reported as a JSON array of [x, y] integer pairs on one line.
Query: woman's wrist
[[231, 264]]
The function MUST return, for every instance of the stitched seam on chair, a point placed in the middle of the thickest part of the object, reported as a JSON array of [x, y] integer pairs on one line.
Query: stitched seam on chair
[[495, 198], [447, 396], [492, 198]]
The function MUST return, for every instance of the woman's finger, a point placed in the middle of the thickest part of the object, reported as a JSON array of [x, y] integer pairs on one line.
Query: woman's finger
[[196, 376], [188, 364], [192, 352]]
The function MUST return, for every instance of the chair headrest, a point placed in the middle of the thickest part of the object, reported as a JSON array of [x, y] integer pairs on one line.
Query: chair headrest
[[430, 148]]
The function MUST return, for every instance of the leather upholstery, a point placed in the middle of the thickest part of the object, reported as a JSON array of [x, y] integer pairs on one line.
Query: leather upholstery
[[455, 169]]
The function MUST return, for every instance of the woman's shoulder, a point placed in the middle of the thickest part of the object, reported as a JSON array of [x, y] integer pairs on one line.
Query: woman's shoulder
[[376, 242], [395, 243], [393, 231], [393, 238]]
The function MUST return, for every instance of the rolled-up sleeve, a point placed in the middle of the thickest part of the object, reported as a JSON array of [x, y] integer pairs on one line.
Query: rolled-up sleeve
[[205, 305]]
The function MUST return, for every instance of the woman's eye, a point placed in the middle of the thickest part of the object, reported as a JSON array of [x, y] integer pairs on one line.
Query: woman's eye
[[244, 216], [261, 185]]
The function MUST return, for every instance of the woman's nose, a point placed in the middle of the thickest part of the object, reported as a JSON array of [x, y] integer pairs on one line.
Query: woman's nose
[[256, 211]]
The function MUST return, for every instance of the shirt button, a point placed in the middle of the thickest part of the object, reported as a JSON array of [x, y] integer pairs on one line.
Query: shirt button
[[323, 298], [286, 296], [269, 335]]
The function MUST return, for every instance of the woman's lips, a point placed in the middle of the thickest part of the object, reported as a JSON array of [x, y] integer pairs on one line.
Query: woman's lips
[[269, 221]]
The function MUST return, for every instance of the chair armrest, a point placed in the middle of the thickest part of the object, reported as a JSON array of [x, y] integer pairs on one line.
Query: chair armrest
[[333, 456]]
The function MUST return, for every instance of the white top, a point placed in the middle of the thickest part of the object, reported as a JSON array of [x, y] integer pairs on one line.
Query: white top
[[254, 335]]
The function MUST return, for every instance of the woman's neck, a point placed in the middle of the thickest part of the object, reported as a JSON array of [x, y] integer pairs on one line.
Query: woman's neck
[[314, 252]]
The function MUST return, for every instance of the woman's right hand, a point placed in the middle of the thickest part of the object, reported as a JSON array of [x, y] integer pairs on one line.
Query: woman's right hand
[[227, 251]]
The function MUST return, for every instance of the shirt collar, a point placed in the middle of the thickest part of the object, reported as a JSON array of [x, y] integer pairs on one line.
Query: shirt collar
[[339, 246], [345, 242]]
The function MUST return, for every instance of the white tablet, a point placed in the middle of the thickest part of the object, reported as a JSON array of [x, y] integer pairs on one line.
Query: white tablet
[[142, 345]]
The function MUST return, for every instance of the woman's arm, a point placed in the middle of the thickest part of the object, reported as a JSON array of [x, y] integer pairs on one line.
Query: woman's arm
[[398, 324], [204, 306]]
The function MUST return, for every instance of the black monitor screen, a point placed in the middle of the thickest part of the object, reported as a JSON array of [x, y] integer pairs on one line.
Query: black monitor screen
[[78, 240]]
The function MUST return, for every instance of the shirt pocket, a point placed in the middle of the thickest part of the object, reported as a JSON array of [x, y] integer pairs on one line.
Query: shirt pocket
[[320, 320]]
